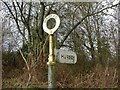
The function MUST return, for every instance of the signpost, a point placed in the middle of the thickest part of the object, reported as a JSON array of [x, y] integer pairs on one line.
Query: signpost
[[63, 56], [51, 62]]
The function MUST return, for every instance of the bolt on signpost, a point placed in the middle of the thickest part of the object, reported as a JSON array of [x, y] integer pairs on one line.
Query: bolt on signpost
[[51, 61]]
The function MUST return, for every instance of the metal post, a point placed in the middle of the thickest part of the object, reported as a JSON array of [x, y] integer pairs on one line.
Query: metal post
[[51, 61], [51, 64]]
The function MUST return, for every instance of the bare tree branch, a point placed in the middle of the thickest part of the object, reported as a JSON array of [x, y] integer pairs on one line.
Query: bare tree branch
[[88, 15], [16, 20]]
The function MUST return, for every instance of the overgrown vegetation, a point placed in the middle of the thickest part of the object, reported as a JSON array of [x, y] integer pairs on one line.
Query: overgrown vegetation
[[82, 75], [88, 29]]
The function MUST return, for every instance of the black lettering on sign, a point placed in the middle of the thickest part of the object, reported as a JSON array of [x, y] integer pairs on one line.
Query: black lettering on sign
[[62, 56], [72, 57], [67, 56]]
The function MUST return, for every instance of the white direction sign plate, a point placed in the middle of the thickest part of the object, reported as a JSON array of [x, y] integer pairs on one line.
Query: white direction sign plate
[[63, 56]]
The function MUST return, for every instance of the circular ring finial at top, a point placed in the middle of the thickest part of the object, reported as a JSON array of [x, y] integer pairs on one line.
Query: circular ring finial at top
[[57, 20]]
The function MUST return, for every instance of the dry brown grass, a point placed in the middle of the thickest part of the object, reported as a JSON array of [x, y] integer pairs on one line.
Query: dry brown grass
[[70, 76], [98, 77]]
